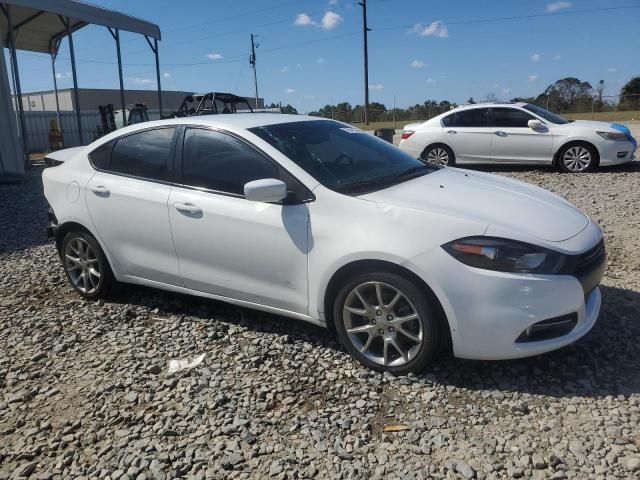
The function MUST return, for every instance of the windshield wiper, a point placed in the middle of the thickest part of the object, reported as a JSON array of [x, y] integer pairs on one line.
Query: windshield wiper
[[386, 180]]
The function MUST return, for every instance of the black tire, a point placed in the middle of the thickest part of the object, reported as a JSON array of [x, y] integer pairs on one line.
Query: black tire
[[577, 147], [380, 323], [79, 269], [451, 157]]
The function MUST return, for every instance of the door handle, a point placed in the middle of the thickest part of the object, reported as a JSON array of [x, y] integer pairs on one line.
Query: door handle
[[451, 131], [187, 208], [99, 189], [500, 133]]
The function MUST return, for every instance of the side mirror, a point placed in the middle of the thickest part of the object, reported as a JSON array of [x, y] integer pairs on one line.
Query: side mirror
[[266, 190], [534, 124]]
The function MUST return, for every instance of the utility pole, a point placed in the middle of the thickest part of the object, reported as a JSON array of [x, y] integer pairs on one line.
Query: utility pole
[[394, 112], [252, 61], [365, 30]]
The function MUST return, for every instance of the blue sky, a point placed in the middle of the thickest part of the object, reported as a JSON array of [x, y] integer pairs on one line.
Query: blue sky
[[310, 51]]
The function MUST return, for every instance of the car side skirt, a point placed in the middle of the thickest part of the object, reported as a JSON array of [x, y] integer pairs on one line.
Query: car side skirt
[[241, 303]]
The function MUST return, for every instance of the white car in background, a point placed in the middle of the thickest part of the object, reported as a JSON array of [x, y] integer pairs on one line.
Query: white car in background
[[322, 222], [517, 133]]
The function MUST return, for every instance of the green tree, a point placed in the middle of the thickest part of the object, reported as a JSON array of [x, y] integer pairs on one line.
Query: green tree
[[630, 95]]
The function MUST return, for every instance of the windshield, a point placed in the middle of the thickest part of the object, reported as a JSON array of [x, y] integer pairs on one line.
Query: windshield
[[343, 158], [546, 114]]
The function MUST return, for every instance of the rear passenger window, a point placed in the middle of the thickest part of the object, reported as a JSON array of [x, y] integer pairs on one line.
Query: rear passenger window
[[449, 120], [473, 117], [511, 117], [146, 154], [101, 156]]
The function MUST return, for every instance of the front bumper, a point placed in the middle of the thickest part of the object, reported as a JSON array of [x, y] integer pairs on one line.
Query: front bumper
[[489, 311], [615, 152]]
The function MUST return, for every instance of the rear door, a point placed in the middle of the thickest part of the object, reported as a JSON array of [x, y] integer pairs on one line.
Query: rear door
[[467, 132], [514, 141], [127, 201]]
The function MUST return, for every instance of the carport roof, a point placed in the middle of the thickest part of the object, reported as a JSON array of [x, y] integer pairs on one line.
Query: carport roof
[[38, 27]]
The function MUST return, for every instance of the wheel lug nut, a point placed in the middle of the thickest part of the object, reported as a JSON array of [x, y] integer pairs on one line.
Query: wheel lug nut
[[391, 329], [373, 321], [381, 331], [389, 317], [379, 312]]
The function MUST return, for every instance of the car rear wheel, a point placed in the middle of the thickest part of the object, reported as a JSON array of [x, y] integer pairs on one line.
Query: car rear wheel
[[439, 154], [386, 322], [86, 265], [577, 158]]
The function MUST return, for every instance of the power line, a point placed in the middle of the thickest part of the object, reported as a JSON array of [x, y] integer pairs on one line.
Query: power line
[[519, 17]]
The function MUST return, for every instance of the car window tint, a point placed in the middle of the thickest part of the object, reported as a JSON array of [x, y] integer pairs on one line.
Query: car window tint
[[101, 156], [510, 117], [473, 117], [144, 154], [449, 120], [219, 162]]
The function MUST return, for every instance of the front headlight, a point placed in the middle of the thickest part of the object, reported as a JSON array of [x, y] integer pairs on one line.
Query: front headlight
[[613, 135], [504, 255]]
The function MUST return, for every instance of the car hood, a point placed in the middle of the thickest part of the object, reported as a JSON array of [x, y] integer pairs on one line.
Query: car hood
[[491, 199], [590, 124]]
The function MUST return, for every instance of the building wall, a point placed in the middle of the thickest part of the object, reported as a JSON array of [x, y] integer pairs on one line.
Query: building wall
[[90, 98]]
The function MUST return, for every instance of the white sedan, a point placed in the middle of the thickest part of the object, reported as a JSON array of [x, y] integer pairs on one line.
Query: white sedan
[[319, 221], [520, 133]]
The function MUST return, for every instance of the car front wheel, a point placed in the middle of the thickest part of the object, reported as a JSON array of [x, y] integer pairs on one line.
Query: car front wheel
[[577, 158], [86, 266], [386, 322]]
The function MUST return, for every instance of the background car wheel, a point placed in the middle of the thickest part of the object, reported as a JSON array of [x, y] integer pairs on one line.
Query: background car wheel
[[386, 322], [86, 266], [439, 154], [577, 158]]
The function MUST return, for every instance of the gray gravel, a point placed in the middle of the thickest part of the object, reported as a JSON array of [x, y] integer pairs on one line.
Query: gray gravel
[[85, 393]]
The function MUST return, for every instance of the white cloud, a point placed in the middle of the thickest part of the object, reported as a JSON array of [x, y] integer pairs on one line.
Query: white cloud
[[140, 81], [63, 75], [536, 57], [320, 60], [376, 87], [435, 29], [214, 56], [555, 6], [333, 2], [418, 64], [533, 77], [289, 91], [612, 69], [331, 20], [431, 80], [166, 75], [557, 56], [506, 91], [303, 20], [285, 69]]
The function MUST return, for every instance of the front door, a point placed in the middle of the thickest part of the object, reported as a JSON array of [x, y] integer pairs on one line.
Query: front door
[[230, 246], [514, 141], [127, 201]]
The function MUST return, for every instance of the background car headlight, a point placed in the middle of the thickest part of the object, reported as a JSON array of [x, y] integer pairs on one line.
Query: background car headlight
[[613, 135], [504, 255]]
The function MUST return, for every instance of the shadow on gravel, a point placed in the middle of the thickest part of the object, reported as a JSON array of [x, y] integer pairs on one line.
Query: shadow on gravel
[[23, 213], [604, 362]]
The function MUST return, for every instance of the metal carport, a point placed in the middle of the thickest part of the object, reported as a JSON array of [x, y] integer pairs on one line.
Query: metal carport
[[40, 26]]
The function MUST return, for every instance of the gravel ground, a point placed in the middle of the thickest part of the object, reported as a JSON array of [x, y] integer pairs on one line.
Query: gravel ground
[[85, 390]]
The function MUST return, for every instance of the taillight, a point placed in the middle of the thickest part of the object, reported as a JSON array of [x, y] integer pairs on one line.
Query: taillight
[[406, 134]]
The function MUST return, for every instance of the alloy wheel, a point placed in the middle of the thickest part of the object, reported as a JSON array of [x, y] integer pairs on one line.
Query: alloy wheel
[[82, 265], [383, 324], [577, 159], [438, 155]]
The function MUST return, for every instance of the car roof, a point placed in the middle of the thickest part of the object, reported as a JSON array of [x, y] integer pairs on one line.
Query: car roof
[[237, 121], [489, 104]]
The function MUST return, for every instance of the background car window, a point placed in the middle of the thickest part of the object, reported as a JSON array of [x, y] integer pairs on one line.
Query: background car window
[[511, 117], [144, 154], [101, 156], [473, 117], [219, 162]]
